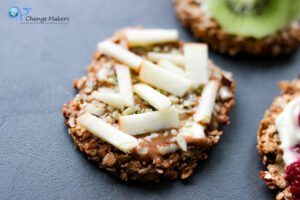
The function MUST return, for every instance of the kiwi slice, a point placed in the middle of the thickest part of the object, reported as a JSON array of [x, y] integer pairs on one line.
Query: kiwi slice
[[251, 18], [295, 10]]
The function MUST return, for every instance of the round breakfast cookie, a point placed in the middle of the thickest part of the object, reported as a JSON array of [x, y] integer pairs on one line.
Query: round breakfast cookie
[[150, 105], [278, 142], [231, 31]]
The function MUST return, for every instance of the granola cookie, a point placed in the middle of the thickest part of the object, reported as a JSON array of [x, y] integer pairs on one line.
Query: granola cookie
[[277, 142], [141, 113]]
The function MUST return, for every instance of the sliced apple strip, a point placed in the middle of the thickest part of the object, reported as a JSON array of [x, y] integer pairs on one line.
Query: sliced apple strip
[[94, 109], [196, 62], [174, 58], [206, 103], [112, 99], [171, 67], [120, 54], [125, 84], [142, 37], [163, 79], [152, 96], [148, 122], [108, 133]]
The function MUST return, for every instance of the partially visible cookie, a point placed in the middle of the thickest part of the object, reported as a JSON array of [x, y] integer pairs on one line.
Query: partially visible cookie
[[278, 142], [195, 15], [150, 106]]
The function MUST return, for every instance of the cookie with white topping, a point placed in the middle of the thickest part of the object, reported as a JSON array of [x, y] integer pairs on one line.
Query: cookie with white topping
[[150, 105], [278, 142]]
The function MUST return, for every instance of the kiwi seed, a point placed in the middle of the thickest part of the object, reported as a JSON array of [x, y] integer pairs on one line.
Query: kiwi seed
[[248, 7]]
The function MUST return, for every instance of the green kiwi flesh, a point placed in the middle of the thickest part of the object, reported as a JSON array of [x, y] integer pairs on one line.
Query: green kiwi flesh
[[252, 18], [295, 10]]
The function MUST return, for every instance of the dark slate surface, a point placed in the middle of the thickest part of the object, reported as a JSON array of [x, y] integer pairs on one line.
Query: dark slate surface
[[38, 63]]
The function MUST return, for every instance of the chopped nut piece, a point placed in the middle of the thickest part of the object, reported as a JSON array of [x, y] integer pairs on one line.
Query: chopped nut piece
[[174, 99], [150, 137], [166, 134], [143, 151], [109, 159], [103, 74], [128, 111], [181, 142], [167, 149], [174, 132], [192, 129], [225, 93], [115, 115], [94, 109]]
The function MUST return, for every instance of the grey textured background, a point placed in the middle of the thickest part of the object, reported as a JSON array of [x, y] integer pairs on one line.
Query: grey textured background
[[38, 65]]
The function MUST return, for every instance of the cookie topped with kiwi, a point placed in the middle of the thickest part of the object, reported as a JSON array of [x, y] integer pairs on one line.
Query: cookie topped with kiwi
[[255, 27]]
